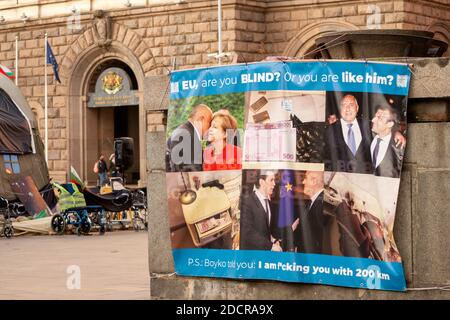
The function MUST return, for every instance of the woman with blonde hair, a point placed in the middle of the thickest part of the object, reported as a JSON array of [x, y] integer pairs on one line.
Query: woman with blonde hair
[[222, 154]]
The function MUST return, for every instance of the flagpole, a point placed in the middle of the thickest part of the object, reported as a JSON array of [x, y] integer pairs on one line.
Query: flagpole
[[46, 101], [219, 30], [17, 60]]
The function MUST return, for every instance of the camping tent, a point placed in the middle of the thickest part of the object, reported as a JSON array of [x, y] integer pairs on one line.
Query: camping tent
[[21, 148]]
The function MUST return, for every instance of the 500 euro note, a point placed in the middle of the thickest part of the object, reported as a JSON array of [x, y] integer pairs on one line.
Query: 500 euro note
[[270, 142]]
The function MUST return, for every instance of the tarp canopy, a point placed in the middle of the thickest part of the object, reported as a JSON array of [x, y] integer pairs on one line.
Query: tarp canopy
[[15, 129], [16, 136]]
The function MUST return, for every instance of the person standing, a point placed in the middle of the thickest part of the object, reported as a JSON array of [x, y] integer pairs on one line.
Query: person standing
[[102, 170], [386, 156], [309, 227], [348, 140], [256, 215]]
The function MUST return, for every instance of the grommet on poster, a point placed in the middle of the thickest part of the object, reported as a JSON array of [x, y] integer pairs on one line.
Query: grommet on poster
[[410, 65]]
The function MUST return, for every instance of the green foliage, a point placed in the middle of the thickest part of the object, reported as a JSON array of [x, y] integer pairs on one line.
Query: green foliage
[[180, 109]]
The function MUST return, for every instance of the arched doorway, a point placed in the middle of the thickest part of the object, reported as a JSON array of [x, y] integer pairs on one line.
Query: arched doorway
[[92, 131], [113, 113]]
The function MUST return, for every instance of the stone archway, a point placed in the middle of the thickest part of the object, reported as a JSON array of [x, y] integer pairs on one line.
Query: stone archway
[[77, 67], [304, 41], [441, 32], [38, 112]]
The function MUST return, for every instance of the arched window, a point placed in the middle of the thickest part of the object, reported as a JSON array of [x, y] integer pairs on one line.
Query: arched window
[[303, 44], [441, 32]]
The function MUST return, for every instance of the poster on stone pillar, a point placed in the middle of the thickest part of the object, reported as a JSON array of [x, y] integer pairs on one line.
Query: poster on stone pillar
[[288, 171]]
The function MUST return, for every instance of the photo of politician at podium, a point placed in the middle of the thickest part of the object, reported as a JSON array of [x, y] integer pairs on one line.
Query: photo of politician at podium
[[354, 121]]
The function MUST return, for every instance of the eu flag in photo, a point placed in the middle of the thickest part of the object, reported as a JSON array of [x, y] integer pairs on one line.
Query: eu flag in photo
[[52, 60], [286, 208]]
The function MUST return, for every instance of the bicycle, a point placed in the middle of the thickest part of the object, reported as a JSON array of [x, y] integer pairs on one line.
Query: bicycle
[[8, 230]]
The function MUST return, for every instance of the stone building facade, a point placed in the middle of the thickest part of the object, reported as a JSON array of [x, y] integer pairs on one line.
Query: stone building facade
[[152, 37]]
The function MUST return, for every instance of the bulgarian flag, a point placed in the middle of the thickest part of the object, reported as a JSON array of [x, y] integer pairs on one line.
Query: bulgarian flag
[[4, 70], [75, 177]]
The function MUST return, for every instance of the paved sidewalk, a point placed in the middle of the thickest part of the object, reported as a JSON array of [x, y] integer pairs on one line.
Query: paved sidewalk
[[113, 266]]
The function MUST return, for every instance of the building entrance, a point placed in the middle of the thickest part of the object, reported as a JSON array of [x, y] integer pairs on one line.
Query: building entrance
[[126, 124], [113, 112]]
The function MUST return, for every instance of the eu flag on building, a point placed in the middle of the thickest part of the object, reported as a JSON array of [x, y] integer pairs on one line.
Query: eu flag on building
[[52, 60], [286, 207]]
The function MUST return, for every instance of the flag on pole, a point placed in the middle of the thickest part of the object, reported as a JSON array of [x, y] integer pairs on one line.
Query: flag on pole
[[4, 70], [286, 206], [52, 60], [75, 178]]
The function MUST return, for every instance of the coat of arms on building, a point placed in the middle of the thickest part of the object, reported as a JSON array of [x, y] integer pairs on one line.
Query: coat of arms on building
[[112, 83]]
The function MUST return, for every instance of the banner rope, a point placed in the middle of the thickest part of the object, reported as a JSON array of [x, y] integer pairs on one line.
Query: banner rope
[[320, 49], [170, 275], [415, 75], [444, 288], [161, 275], [323, 46]]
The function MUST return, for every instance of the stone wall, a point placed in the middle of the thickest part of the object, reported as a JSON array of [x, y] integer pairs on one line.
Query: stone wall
[[159, 31], [302, 20], [421, 225]]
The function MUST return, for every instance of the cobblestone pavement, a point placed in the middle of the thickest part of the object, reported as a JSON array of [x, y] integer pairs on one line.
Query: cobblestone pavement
[[113, 266]]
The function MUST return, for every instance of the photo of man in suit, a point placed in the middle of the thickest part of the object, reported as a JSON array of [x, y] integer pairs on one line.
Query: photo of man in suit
[[386, 156], [309, 227], [348, 140], [256, 215], [184, 148]]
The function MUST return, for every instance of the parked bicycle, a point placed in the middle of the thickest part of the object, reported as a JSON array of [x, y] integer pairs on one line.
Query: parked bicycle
[[7, 231]]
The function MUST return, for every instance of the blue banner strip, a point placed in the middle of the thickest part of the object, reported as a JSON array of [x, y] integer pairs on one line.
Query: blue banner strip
[[290, 267], [350, 76]]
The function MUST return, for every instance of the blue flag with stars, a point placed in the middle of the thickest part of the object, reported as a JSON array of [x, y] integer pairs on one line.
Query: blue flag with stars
[[52, 60], [286, 207]]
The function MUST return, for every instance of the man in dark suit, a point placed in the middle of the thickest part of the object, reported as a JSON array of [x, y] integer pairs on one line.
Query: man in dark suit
[[386, 156], [256, 215], [309, 227], [348, 140], [184, 148]]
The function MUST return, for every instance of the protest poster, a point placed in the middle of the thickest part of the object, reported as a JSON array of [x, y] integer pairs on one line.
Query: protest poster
[[288, 171]]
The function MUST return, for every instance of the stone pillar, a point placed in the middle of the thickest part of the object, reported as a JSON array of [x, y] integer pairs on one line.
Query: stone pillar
[[155, 105]]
